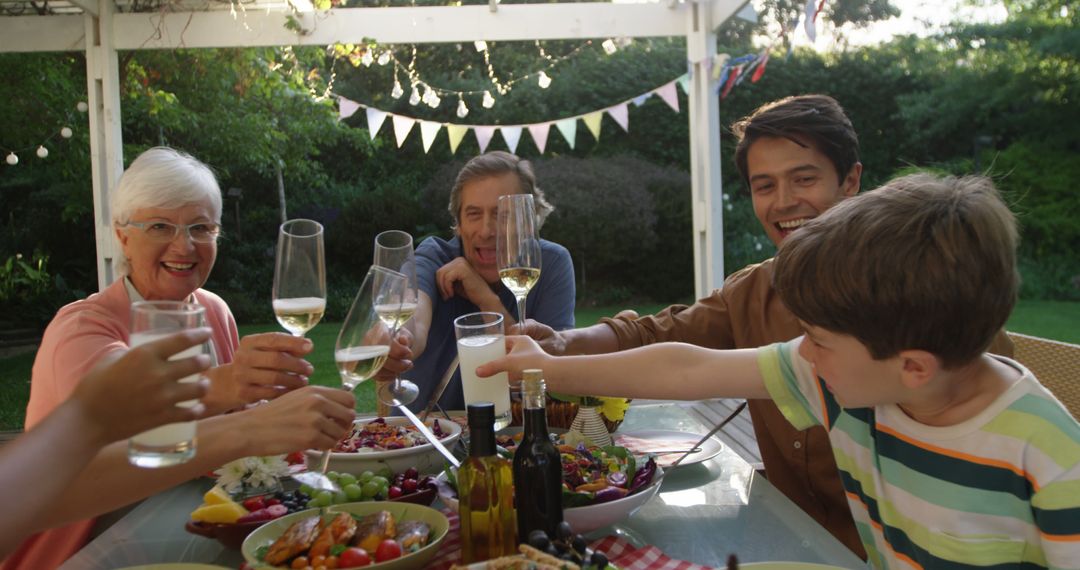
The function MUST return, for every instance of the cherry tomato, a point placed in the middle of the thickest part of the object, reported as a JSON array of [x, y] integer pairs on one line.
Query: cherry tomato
[[353, 558], [388, 549]]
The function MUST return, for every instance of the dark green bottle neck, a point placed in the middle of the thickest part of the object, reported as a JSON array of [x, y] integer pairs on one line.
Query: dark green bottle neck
[[535, 421]]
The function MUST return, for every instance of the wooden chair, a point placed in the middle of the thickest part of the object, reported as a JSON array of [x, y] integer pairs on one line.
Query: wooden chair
[[1055, 364]]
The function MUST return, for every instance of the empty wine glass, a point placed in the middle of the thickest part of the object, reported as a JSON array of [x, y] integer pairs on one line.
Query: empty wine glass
[[299, 294], [394, 251], [517, 247], [364, 341]]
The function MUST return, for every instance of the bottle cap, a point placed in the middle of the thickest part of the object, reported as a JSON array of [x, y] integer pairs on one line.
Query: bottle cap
[[532, 381], [481, 414]]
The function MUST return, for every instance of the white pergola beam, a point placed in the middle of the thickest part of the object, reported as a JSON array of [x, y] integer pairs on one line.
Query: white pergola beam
[[428, 24], [41, 33], [720, 12], [88, 6]]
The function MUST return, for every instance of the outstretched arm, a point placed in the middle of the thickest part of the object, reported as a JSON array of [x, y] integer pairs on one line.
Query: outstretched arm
[[672, 371]]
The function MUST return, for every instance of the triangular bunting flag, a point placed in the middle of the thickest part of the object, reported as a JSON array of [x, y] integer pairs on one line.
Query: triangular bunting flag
[[760, 69], [456, 133], [731, 81], [719, 65], [511, 135], [375, 120], [621, 114], [640, 99], [346, 108], [539, 134], [592, 121], [684, 82], [402, 126], [428, 130], [669, 95], [568, 128], [483, 136]]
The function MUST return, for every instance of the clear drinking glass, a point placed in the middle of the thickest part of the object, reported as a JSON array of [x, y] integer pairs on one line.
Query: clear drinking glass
[[299, 294], [517, 246], [394, 251], [480, 339], [170, 444]]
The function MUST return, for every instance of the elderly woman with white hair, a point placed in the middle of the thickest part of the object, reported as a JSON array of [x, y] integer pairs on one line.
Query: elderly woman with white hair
[[166, 215]]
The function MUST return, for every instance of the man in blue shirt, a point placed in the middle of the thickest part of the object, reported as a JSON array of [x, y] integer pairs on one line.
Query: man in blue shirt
[[461, 276]]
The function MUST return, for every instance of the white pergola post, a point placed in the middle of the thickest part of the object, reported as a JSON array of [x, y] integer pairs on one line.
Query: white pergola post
[[707, 187], [106, 140]]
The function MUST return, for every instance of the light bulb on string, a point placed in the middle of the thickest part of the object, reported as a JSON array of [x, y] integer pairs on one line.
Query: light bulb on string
[[384, 58], [65, 132], [480, 45], [488, 101], [427, 95], [397, 91], [367, 58], [414, 98], [462, 109], [609, 46], [12, 159], [543, 80], [82, 106], [42, 152], [434, 100]]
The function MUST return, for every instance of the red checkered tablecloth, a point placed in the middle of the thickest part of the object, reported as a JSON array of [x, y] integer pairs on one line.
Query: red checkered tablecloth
[[619, 552]]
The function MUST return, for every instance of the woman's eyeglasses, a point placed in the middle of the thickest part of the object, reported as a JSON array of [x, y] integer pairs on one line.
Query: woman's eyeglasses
[[201, 232]]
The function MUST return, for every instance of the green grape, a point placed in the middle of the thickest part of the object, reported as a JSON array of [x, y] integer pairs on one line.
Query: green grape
[[382, 482], [320, 500], [346, 479], [333, 476], [366, 476], [354, 492], [371, 489], [307, 490], [340, 497]]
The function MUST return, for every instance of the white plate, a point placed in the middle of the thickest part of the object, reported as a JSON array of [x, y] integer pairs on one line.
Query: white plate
[[425, 458], [661, 439]]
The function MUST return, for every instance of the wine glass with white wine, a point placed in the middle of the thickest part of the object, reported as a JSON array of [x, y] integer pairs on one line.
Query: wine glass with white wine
[[394, 251], [300, 276], [364, 341], [517, 247]]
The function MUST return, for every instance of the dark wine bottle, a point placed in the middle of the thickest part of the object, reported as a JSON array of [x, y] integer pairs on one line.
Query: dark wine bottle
[[537, 465], [485, 492]]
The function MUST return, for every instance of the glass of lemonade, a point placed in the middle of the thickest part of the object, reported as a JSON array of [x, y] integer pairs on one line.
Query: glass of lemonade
[[170, 444], [480, 339]]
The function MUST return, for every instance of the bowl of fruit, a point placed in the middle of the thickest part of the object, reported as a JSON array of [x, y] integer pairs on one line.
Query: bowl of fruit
[[377, 535], [407, 487], [393, 443], [230, 522], [601, 485]]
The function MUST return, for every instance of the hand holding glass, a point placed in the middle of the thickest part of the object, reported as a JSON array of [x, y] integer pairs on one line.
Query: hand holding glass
[[300, 276], [480, 339], [170, 444]]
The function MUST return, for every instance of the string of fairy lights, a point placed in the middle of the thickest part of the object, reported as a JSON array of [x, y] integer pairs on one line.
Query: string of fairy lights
[[11, 155]]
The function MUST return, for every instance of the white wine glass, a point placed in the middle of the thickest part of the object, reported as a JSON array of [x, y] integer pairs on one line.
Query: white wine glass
[[394, 251], [363, 344], [299, 294], [517, 247]]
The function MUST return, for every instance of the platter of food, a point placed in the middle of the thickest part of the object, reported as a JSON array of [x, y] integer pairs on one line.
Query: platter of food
[[378, 535], [394, 443], [667, 446]]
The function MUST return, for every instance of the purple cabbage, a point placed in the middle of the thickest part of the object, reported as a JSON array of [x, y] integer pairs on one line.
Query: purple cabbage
[[608, 494], [643, 476]]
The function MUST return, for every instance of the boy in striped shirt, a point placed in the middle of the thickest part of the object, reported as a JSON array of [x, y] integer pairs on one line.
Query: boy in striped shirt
[[951, 457]]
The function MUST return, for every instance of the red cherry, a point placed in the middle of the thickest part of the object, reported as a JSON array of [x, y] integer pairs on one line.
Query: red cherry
[[409, 486], [395, 491], [412, 473], [255, 503]]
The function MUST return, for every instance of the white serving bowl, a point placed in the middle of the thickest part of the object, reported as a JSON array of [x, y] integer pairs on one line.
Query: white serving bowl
[[585, 519], [425, 458]]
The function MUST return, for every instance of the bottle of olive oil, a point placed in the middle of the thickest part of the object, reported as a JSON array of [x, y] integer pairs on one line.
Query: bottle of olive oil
[[485, 492], [537, 464]]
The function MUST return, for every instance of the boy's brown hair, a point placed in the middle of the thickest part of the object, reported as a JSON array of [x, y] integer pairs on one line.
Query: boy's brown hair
[[816, 120], [924, 262]]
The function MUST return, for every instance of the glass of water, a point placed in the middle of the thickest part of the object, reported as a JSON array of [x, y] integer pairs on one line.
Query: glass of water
[[480, 339], [170, 444]]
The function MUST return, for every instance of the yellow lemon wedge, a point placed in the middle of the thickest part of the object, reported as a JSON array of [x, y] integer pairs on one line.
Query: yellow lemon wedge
[[223, 513], [216, 496]]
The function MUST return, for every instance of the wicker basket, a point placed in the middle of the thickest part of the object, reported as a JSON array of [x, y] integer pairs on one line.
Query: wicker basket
[[559, 414]]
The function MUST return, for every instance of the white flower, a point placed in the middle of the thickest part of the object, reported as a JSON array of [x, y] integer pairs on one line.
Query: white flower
[[252, 472]]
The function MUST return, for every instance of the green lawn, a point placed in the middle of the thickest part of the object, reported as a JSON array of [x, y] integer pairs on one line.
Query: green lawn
[[1050, 319]]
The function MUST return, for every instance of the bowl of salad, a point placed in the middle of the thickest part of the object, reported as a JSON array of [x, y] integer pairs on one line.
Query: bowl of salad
[[394, 443], [601, 485]]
